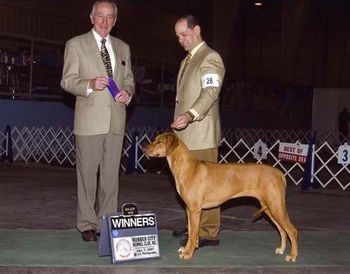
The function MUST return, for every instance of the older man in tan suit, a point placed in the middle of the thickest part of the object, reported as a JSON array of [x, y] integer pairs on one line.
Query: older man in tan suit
[[99, 121], [197, 117]]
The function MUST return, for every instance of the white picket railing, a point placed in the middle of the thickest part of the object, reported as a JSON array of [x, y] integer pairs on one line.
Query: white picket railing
[[56, 146], [3, 145]]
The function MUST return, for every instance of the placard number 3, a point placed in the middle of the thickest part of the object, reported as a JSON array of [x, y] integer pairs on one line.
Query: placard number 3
[[344, 154]]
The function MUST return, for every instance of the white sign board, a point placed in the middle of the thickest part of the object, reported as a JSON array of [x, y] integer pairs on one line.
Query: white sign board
[[293, 152], [133, 237], [129, 237]]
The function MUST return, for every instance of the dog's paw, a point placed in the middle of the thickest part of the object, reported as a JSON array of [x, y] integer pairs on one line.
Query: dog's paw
[[279, 251], [185, 255], [290, 259], [181, 249]]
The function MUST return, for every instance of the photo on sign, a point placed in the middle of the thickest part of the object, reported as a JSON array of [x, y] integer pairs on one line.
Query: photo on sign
[[123, 248]]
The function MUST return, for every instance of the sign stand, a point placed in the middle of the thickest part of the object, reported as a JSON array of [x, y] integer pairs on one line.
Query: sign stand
[[129, 236]]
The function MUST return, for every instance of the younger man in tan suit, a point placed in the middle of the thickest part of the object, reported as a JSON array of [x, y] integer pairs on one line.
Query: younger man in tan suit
[[197, 117]]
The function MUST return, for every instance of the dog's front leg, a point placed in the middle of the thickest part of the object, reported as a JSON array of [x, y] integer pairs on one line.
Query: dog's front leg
[[193, 217]]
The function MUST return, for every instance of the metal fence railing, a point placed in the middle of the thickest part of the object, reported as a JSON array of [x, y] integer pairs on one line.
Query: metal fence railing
[[56, 146]]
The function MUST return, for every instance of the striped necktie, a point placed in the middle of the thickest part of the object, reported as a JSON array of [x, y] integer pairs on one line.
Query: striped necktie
[[187, 61], [105, 58]]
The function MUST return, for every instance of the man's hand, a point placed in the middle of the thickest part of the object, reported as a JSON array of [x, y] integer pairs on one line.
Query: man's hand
[[122, 97], [99, 83], [181, 121]]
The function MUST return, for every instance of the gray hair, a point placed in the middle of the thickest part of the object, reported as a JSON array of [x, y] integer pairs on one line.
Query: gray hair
[[104, 1]]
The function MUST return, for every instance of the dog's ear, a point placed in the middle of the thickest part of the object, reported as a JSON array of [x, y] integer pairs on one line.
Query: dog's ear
[[171, 143]]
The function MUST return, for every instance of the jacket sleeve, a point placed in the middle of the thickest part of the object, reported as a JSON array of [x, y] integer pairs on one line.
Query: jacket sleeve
[[71, 80]]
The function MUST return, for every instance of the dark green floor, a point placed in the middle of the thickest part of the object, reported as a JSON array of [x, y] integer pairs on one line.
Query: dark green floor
[[33, 249], [35, 196]]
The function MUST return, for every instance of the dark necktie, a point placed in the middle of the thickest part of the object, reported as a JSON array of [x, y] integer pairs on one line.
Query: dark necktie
[[105, 58], [187, 61]]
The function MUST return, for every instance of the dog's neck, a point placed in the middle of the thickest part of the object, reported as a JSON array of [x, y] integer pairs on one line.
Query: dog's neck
[[181, 160]]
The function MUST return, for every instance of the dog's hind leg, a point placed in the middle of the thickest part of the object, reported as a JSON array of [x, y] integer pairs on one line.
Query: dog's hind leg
[[293, 237], [279, 214], [283, 235]]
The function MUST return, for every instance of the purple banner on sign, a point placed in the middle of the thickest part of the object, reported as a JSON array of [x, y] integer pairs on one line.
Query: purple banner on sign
[[113, 88]]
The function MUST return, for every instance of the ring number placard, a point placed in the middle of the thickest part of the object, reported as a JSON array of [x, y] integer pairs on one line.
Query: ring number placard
[[344, 154], [260, 150]]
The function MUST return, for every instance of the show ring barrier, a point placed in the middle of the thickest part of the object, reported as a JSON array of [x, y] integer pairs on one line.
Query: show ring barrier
[[326, 163]]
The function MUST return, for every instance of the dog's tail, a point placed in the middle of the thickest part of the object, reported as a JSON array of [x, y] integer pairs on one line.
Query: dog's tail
[[257, 214]]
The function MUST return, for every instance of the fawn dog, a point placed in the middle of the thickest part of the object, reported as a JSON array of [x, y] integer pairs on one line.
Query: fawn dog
[[203, 184]]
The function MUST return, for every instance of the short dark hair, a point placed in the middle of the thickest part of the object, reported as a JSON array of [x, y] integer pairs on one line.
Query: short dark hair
[[192, 21]]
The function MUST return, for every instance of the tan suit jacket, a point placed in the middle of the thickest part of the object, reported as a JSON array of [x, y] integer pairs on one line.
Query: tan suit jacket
[[96, 113], [205, 131]]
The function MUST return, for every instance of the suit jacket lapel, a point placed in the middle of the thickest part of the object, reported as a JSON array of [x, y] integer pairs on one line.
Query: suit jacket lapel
[[181, 68], [193, 63], [117, 59]]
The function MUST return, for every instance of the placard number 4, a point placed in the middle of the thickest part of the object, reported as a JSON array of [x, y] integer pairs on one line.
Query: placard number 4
[[260, 150]]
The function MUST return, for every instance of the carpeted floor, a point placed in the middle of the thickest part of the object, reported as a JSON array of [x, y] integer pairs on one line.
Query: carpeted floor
[[24, 247], [42, 199]]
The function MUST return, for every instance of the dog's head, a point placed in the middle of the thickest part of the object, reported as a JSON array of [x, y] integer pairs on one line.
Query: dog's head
[[162, 146]]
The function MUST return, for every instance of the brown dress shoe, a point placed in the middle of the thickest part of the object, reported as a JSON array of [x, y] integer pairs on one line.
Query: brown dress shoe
[[89, 235], [180, 233]]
